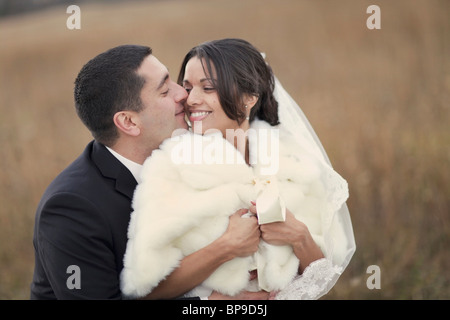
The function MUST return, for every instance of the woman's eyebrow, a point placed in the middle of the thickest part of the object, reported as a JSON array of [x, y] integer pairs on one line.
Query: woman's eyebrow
[[185, 81]]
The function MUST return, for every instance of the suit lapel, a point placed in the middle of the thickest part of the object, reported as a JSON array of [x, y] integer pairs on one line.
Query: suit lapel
[[112, 168], [125, 182]]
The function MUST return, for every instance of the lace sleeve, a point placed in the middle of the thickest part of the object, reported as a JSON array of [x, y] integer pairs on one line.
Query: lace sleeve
[[317, 279]]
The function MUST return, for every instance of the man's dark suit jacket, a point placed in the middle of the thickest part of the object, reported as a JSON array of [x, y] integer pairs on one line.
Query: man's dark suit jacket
[[82, 221]]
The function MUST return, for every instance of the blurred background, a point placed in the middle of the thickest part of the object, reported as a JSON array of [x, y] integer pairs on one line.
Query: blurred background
[[378, 100]]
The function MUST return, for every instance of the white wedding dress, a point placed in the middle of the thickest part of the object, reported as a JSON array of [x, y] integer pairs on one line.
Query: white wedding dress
[[190, 188]]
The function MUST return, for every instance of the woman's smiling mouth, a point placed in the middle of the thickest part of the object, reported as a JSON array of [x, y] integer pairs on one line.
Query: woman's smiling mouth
[[198, 115]]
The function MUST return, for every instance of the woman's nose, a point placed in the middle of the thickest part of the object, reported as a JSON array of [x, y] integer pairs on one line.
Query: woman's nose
[[194, 98]]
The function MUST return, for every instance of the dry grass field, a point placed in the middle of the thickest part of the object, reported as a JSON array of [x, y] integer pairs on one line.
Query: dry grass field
[[378, 100]]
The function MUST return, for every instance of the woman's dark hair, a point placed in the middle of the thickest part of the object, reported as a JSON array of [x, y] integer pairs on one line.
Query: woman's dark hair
[[108, 84], [240, 69]]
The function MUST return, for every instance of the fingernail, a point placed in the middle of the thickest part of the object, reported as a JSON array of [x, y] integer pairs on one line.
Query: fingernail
[[253, 203]]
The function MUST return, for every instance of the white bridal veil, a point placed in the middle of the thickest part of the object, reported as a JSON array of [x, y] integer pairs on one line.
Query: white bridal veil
[[321, 275]]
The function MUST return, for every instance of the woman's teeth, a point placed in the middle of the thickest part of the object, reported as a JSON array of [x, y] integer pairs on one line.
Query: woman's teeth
[[199, 114]]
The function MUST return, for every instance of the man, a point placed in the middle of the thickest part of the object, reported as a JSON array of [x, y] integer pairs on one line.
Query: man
[[126, 98]]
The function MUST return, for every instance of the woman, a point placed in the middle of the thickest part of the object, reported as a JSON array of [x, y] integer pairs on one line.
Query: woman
[[247, 145]]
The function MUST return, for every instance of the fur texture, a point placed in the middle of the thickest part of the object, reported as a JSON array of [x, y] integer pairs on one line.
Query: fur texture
[[182, 206]]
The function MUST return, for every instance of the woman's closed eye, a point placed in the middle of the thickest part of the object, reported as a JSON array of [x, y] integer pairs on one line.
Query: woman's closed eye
[[209, 89]]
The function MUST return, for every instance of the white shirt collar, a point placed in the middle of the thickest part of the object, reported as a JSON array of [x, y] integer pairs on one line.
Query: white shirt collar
[[135, 168]]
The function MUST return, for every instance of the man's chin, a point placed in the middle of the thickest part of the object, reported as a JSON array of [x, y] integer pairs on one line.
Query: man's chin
[[181, 121], [183, 125]]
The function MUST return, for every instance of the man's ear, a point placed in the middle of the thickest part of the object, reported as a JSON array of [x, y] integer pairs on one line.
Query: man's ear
[[126, 122]]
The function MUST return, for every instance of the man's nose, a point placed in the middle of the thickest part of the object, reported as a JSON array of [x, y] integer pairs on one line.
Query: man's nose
[[180, 93]]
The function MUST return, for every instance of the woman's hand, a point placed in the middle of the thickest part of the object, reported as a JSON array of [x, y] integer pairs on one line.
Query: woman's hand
[[294, 233]]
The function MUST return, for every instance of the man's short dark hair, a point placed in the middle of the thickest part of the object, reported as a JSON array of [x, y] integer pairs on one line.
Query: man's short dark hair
[[107, 84]]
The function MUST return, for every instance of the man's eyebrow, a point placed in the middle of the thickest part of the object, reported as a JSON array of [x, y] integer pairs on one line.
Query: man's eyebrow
[[163, 81]]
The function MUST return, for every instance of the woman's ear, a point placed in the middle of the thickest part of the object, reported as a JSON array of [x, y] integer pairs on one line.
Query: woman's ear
[[250, 100], [126, 122]]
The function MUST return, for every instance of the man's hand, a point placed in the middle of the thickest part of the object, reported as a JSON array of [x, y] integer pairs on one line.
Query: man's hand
[[242, 235], [241, 239]]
